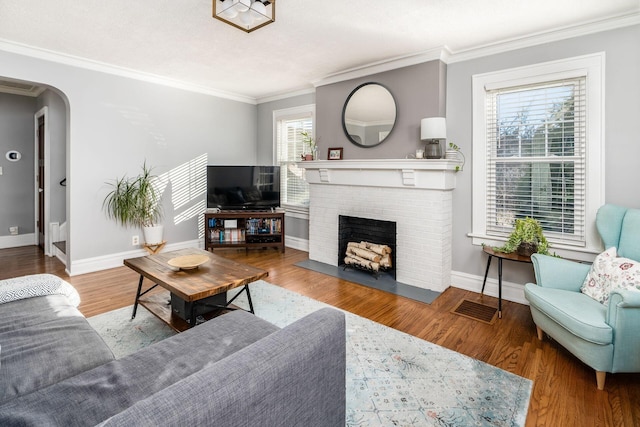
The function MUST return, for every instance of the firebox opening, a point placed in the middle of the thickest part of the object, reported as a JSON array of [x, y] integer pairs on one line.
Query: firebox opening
[[355, 229]]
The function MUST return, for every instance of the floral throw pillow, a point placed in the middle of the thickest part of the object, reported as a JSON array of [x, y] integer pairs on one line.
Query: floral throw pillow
[[609, 272], [625, 274], [597, 284]]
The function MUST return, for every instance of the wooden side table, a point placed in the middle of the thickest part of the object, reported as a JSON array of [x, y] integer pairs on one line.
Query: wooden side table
[[154, 248], [500, 255]]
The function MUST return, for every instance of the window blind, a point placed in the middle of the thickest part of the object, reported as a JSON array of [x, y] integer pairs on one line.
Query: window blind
[[536, 159], [294, 189]]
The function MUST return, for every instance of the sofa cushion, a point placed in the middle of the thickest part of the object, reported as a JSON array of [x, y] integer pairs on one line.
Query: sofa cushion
[[579, 314], [100, 393], [45, 340], [293, 377]]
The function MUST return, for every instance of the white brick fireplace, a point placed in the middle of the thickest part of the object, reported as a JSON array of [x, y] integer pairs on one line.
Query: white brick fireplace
[[416, 194]]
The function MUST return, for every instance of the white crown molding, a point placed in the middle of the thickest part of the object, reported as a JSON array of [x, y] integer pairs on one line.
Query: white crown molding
[[286, 95], [443, 54], [448, 56], [75, 61], [440, 53], [541, 38]]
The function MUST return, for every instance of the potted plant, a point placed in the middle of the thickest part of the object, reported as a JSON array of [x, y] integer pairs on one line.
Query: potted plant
[[526, 238], [136, 202], [310, 146], [452, 154]]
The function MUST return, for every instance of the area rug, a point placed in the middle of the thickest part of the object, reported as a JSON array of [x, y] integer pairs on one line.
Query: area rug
[[393, 379]]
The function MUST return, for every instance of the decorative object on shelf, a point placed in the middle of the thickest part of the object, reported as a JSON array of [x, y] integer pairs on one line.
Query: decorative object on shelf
[[188, 262], [432, 130], [136, 202], [526, 238], [310, 148], [246, 15], [335, 153], [452, 154]]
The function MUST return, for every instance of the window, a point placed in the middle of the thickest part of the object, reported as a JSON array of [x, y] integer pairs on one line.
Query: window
[[537, 151], [294, 190]]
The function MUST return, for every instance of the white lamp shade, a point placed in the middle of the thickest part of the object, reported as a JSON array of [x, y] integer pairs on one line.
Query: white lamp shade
[[433, 128], [228, 9], [258, 8], [243, 5]]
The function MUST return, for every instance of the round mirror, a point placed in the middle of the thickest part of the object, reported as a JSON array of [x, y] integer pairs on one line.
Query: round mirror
[[369, 115]]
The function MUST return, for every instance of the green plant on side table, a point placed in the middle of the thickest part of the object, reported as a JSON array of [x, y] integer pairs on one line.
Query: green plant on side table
[[136, 202], [526, 238]]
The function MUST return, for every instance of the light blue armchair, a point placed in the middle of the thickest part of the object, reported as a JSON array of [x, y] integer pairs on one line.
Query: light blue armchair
[[605, 337]]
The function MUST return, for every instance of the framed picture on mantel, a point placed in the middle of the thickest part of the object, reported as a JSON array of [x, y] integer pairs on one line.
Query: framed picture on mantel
[[335, 154]]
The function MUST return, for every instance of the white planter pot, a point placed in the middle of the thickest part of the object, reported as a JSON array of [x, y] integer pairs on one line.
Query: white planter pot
[[153, 234]]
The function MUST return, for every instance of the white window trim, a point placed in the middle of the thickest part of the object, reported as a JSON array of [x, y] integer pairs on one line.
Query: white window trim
[[591, 66], [294, 211]]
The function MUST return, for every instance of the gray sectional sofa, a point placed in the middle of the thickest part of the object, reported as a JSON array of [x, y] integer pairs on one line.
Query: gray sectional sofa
[[235, 370]]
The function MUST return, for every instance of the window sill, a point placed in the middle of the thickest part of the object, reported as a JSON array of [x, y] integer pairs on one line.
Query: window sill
[[294, 211]]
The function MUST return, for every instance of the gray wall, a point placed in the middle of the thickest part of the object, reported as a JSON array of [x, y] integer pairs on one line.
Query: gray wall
[[115, 123], [17, 205], [622, 111], [419, 91], [57, 123], [296, 227]]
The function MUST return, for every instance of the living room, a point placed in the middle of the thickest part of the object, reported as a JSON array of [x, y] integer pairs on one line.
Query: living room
[[106, 120]]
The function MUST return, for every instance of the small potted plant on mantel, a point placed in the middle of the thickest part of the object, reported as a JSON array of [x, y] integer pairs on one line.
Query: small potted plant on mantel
[[136, 201], [526, 238], [310, 146], [452, 154]]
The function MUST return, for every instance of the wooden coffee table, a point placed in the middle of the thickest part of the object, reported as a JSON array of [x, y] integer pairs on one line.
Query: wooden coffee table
[[216, 276]]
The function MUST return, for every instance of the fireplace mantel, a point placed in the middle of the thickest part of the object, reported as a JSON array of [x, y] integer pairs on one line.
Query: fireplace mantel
[[429, 174], [415, 194]]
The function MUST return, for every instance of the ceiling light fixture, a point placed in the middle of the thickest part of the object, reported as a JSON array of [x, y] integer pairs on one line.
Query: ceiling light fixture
[[246, 15]]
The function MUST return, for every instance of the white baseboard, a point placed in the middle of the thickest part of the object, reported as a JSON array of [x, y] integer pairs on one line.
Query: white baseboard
[[16, 241], [296, 243], [90, 265], [60, 255], [510, 291]]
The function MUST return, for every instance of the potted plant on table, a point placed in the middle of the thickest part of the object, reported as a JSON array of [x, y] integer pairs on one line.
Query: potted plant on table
[[136, 201], [526, 238]]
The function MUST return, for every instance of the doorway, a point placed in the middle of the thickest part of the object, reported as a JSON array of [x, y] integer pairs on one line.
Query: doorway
[[40, 179]]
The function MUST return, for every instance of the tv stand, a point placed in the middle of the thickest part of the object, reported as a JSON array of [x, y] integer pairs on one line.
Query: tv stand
[[244, 229]]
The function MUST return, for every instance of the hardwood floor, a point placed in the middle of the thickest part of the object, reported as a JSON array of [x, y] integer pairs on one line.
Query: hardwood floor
[[564, 392]]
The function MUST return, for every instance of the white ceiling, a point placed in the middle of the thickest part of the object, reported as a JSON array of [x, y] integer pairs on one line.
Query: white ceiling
[[311, 39]]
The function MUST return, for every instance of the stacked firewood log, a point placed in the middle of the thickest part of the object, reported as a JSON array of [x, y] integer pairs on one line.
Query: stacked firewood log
[[368, 255]]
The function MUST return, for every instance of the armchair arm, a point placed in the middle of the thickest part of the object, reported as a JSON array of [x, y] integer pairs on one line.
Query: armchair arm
[[621, 299], [559, 273], [623, 315]]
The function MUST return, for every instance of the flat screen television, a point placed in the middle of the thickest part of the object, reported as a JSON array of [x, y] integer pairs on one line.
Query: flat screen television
[[243, 187]]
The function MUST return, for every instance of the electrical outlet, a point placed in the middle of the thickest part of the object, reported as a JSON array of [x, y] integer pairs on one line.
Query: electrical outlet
[[135, 240]]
